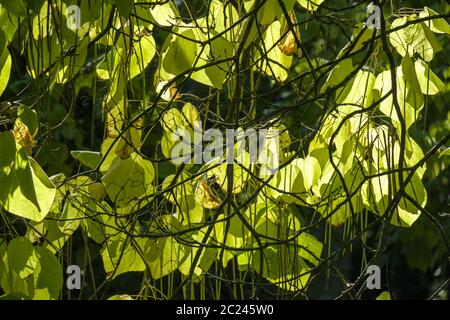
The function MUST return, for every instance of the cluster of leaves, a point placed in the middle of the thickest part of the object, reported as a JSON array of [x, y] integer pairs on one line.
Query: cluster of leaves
[[154, 68]]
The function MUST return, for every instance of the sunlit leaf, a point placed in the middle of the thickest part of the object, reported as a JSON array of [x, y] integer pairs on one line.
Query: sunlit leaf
[[5, 69], [90, 159], [435, 25], [310, 5], [429, 82], [128, 180]]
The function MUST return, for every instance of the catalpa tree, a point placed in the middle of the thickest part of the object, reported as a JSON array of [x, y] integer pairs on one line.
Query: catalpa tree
[[222, 149]]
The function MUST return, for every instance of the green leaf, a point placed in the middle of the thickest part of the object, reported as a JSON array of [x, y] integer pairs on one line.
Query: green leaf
[[48, 277], [71, 65], [358, 40], [108, 152], [3, 43], [182, 196], [222, 16], [22, 172], [310, 5], [406, 213], [435, 25], [385, 295], [444, 153], [241, 168], [33, 5], [276, 64], [30, 270], [15, 7], [295, 180], [172, 119], [5, 69], [272, 150], [310, 248], [415, 37], [358, 91], [124, 6], [180, 53], [286, 184], [9, 23], [121, 254], [89, 159], [330, 194], [10, 280], [120, 297], [295, 273], [166, 256], [232, 237], [164, 13], [410, 104], [29, 117], [21, 257], [31, 193], [310, 169], [14, 296], [190, 116], [430, 83], [294, 257], [43, 53], [143, 53], [93, 224], [129, 180], [268, 12], [182, 130], [7, 156], [338, 74], [218, 49]]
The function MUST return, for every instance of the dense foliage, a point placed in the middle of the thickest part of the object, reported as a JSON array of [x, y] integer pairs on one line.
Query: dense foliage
[[97, 95]]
